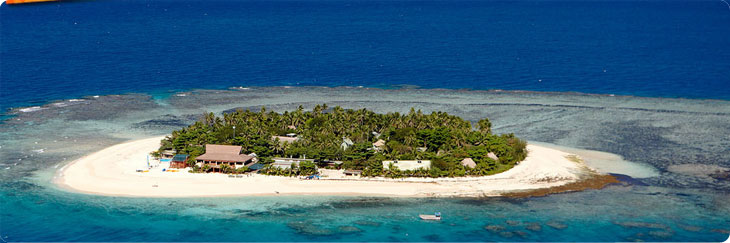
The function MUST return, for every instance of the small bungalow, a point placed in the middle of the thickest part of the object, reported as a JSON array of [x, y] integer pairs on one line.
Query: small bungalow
[[168, 154], [353, 172], [217, 155], [346, 143], [407, 164], [285, 163], [379, 145], [179, 161], [285, 139], [468, 162], [493, 156]]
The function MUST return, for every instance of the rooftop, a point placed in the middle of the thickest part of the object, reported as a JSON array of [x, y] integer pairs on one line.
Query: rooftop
[[226, 153], [284, 139], [468, 162], [180, 158]]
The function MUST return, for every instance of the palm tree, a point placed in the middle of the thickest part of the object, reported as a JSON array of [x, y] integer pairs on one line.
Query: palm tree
[[224, 168], [280, 147], [485, 125]]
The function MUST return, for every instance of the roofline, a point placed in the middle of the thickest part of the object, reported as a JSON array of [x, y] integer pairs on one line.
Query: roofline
[[224, 160]]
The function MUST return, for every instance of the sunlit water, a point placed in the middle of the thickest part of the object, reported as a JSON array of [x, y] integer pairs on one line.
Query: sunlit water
[[652, 133], [644, 48]]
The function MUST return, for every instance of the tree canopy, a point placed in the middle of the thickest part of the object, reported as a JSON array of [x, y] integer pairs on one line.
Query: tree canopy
[[445, 139]]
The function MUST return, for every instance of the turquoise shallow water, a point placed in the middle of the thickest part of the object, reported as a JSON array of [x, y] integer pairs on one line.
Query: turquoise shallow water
[[612, 214], [617, 213], [650, 131]]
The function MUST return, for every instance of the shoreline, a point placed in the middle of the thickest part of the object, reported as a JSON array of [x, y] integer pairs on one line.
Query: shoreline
[[111, 172]]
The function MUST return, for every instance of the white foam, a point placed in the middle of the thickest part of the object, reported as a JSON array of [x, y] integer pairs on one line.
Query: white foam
[[59, 104], [31, 109]]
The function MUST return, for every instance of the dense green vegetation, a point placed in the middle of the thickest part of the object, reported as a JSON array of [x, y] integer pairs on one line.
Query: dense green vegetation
[[442, 138]]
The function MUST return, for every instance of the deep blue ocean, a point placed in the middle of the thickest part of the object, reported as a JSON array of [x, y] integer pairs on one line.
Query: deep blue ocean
[[143, 58], [644, 48]]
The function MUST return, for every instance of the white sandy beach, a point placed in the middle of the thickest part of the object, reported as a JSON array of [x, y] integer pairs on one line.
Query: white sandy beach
[[112, 171]]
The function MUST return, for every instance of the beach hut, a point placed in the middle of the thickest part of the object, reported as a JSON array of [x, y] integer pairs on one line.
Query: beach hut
[[179, 161], [468, 162], [379, 145], [346, 143], [168, 154], [493, 156], [217, 155]]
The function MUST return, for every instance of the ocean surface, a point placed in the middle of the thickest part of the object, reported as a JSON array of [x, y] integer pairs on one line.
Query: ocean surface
[[647, 81], [643, 48]]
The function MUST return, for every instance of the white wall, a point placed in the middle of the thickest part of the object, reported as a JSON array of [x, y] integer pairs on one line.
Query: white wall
[[407, 164]]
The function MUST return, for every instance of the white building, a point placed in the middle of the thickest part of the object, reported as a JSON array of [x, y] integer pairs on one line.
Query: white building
[[285, 139], [285, 163], [346, 143], [407, 164]]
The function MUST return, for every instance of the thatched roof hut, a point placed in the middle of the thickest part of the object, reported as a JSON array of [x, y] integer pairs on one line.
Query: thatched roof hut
[[223, 153], [493, 156], [468, 162]]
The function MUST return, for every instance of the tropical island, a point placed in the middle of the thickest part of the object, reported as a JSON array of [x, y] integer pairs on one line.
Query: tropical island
[[359, 141], [330, 151]]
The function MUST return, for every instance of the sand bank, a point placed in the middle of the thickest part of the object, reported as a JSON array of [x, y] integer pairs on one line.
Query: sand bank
[[112, 171]]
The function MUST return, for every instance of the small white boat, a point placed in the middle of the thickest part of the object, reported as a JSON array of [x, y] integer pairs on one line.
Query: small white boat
[[436, 216]]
